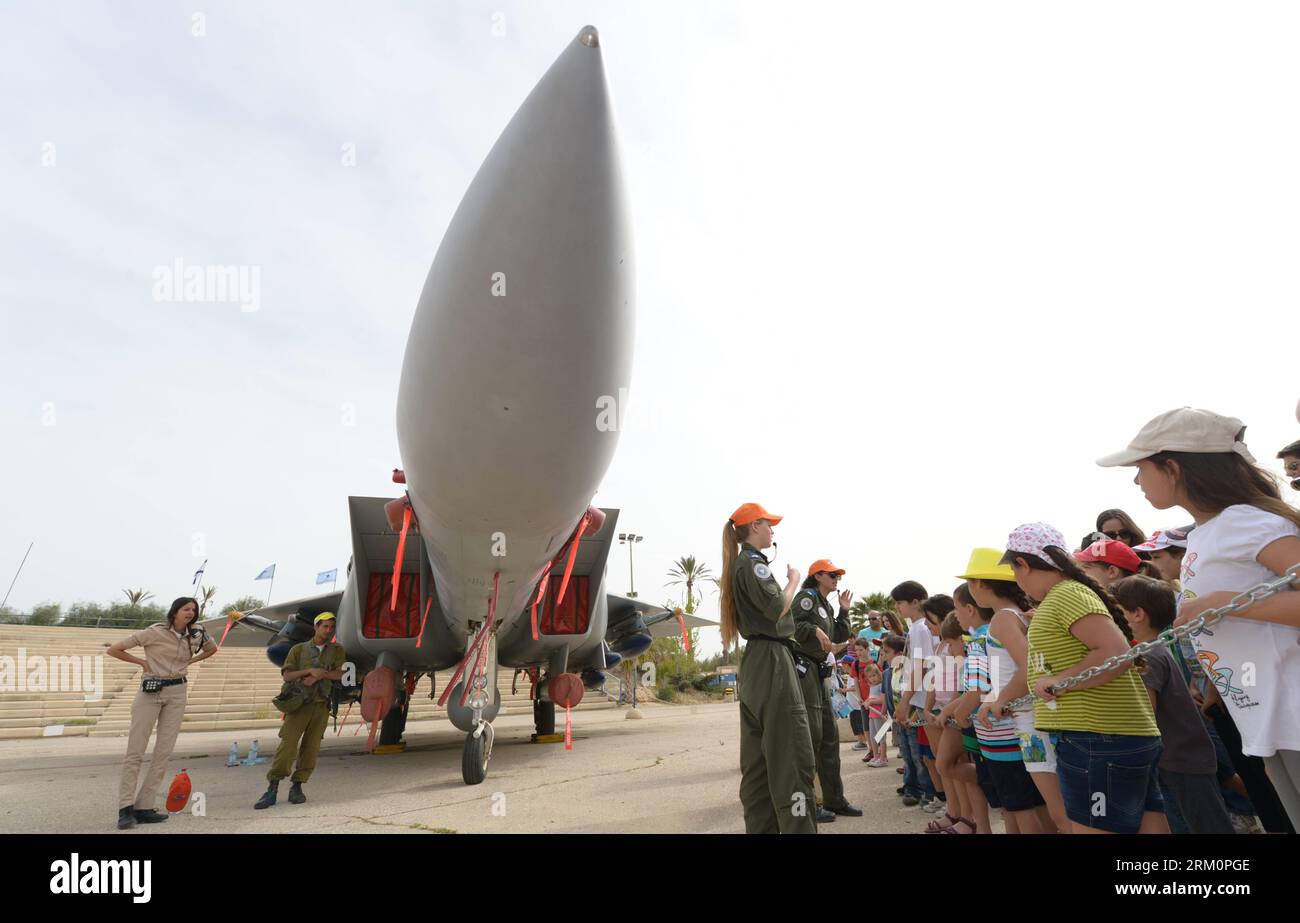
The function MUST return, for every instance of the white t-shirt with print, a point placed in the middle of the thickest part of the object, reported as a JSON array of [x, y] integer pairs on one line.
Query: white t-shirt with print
[[920, 647], [1254, 665]]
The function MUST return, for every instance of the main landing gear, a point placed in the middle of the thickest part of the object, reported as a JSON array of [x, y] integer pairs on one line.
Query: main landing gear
[[544, 717]]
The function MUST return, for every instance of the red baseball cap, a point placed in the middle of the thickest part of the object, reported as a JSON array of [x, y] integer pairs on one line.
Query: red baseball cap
[[1110, 551], [752, 512]]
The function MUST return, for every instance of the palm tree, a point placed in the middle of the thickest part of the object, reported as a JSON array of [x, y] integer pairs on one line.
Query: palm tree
[[880, 602], [205, 597], [858, 615], [137, 597], [690, 572]]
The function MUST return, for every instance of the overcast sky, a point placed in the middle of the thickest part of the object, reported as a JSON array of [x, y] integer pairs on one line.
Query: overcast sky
[[904, 270]]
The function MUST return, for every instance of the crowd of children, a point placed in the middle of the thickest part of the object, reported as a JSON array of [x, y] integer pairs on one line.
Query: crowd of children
[[1198, 734]]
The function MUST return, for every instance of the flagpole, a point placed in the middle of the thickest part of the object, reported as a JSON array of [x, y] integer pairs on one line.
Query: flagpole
[[269, 589], [16, 573]]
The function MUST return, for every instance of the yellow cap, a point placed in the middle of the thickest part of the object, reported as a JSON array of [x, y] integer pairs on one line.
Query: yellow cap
[[984, 566], [323, 616]]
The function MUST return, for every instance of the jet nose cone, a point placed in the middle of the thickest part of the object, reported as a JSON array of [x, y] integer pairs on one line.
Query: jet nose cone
[[523, 333]]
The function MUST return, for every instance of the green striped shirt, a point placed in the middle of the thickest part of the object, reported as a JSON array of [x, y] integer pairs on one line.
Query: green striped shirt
[[1120, 706]]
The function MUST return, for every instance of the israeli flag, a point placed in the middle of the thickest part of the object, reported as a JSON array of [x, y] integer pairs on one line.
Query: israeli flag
[[266, 574], [199, 573], [327, 576]]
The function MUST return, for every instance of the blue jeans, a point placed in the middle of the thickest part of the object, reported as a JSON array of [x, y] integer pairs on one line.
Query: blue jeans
[[1108, 781], [916, 778]]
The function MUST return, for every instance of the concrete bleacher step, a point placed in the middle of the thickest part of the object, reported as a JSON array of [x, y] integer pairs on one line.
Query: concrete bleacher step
[[232, 691]]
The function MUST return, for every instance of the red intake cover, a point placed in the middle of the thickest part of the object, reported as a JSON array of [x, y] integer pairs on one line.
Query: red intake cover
[[596, 521], [179, 794], [566, 690], [378, 693], [393, 510]]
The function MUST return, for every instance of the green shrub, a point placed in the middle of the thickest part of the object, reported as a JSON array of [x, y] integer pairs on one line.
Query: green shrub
[[45, 614], [113, 615], [667, 693]]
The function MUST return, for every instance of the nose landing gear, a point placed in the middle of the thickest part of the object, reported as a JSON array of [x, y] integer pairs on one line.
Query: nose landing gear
[[478, 745]]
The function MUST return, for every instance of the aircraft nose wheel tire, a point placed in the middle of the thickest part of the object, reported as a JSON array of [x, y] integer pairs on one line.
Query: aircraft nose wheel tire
[[474, 759]]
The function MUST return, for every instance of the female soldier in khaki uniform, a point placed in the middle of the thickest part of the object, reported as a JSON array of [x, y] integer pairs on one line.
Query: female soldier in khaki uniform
[[169, 649], [776, 755]]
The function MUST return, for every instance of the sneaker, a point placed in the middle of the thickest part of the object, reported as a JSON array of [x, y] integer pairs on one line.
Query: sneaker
[[149, 817], [910, 801], [900, 770], [879, 763], [900, 791], [933, 806], [126, 818], [861, 746]]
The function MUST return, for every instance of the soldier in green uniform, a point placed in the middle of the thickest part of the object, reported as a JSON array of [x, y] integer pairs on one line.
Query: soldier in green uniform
[[816, 634], [309, 672], [776, 755]]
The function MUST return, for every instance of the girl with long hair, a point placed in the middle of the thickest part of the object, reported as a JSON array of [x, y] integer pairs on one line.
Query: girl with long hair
[[1107, 741], [1245, 535], [776, 753]]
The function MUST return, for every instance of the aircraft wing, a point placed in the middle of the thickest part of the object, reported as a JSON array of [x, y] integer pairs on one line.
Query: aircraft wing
[[668, 627], [257, 626]]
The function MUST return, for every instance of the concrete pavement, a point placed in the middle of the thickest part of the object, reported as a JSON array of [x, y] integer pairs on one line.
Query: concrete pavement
[[674, 771]]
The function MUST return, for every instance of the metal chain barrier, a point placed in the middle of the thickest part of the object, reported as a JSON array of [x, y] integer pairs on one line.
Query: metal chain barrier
[[1243, 600]]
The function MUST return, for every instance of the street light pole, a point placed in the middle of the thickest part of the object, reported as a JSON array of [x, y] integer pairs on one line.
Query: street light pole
[[630, 539]]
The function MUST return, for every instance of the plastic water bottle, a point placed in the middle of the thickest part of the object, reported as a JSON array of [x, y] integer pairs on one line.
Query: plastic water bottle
[[232, 758], [252, 754]]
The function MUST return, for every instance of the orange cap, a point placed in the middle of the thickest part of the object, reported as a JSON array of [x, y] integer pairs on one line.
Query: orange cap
[[824, 565], [752, 512]]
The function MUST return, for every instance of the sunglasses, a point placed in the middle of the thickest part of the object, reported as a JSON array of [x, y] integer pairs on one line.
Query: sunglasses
[[1120, 535]]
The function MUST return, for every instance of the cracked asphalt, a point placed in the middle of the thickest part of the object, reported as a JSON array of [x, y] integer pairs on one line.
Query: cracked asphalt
[[674, 771]]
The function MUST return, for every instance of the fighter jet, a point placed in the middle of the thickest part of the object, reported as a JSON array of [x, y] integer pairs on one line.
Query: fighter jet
[[520, 344]]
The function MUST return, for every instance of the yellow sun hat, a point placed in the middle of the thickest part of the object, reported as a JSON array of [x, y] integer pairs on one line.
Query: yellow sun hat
[[984, 566]]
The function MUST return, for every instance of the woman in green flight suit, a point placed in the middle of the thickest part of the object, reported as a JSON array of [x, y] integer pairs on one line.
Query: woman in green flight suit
[[817, 633], [776, 755]]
